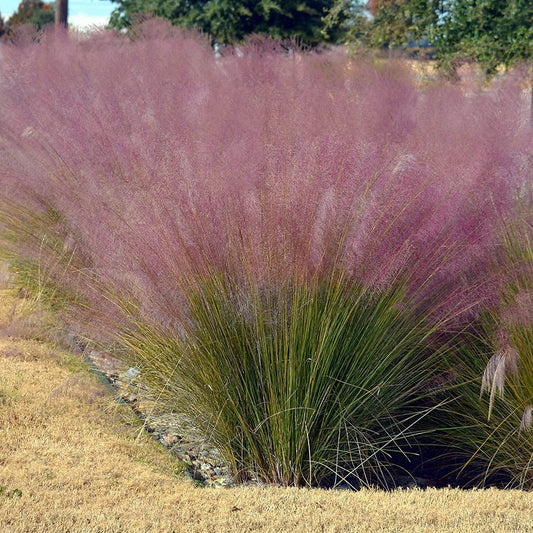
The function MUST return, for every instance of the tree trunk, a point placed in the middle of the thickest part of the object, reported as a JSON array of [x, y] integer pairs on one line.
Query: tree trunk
[[531, 91], [61, 13]]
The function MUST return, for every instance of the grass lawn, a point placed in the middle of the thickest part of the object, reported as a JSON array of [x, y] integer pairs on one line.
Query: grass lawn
[[72, 459]]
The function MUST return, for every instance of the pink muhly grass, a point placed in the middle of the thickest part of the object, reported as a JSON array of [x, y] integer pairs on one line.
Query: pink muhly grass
[[493, 430], [168, 168], [166, 160]]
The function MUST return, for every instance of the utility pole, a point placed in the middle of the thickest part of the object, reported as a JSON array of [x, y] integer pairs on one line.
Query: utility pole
[[61, 13]]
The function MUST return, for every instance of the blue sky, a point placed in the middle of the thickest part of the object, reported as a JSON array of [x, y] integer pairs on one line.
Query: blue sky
[[81, 13]]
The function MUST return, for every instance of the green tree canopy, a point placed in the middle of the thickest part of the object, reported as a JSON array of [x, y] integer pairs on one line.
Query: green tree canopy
[[231, 20], [492, 32], [34, 12]]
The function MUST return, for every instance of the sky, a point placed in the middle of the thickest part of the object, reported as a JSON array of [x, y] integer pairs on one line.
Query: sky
[[81, 13]]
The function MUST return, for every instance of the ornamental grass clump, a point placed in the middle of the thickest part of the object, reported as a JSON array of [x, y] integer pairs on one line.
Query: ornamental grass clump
[[307, 383], [492, 440], [283, 244]]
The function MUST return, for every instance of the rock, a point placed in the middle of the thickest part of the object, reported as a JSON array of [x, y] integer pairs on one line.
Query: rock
[[174, 431], [132, 373], [170, 440]]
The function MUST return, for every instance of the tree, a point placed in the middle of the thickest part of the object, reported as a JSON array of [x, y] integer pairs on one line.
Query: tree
[[384, 24], [61, 18], [2, 26], [229, 21], [491, 32], [34, 12]]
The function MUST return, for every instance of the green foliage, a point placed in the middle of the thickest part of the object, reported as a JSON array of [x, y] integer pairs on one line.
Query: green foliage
[[387, 24], [309, 384], [229, 21], [2, 26], [34, 12], [491, 32]]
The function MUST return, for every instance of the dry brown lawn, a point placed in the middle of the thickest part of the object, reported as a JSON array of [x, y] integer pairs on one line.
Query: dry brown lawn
[[72, 459]]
